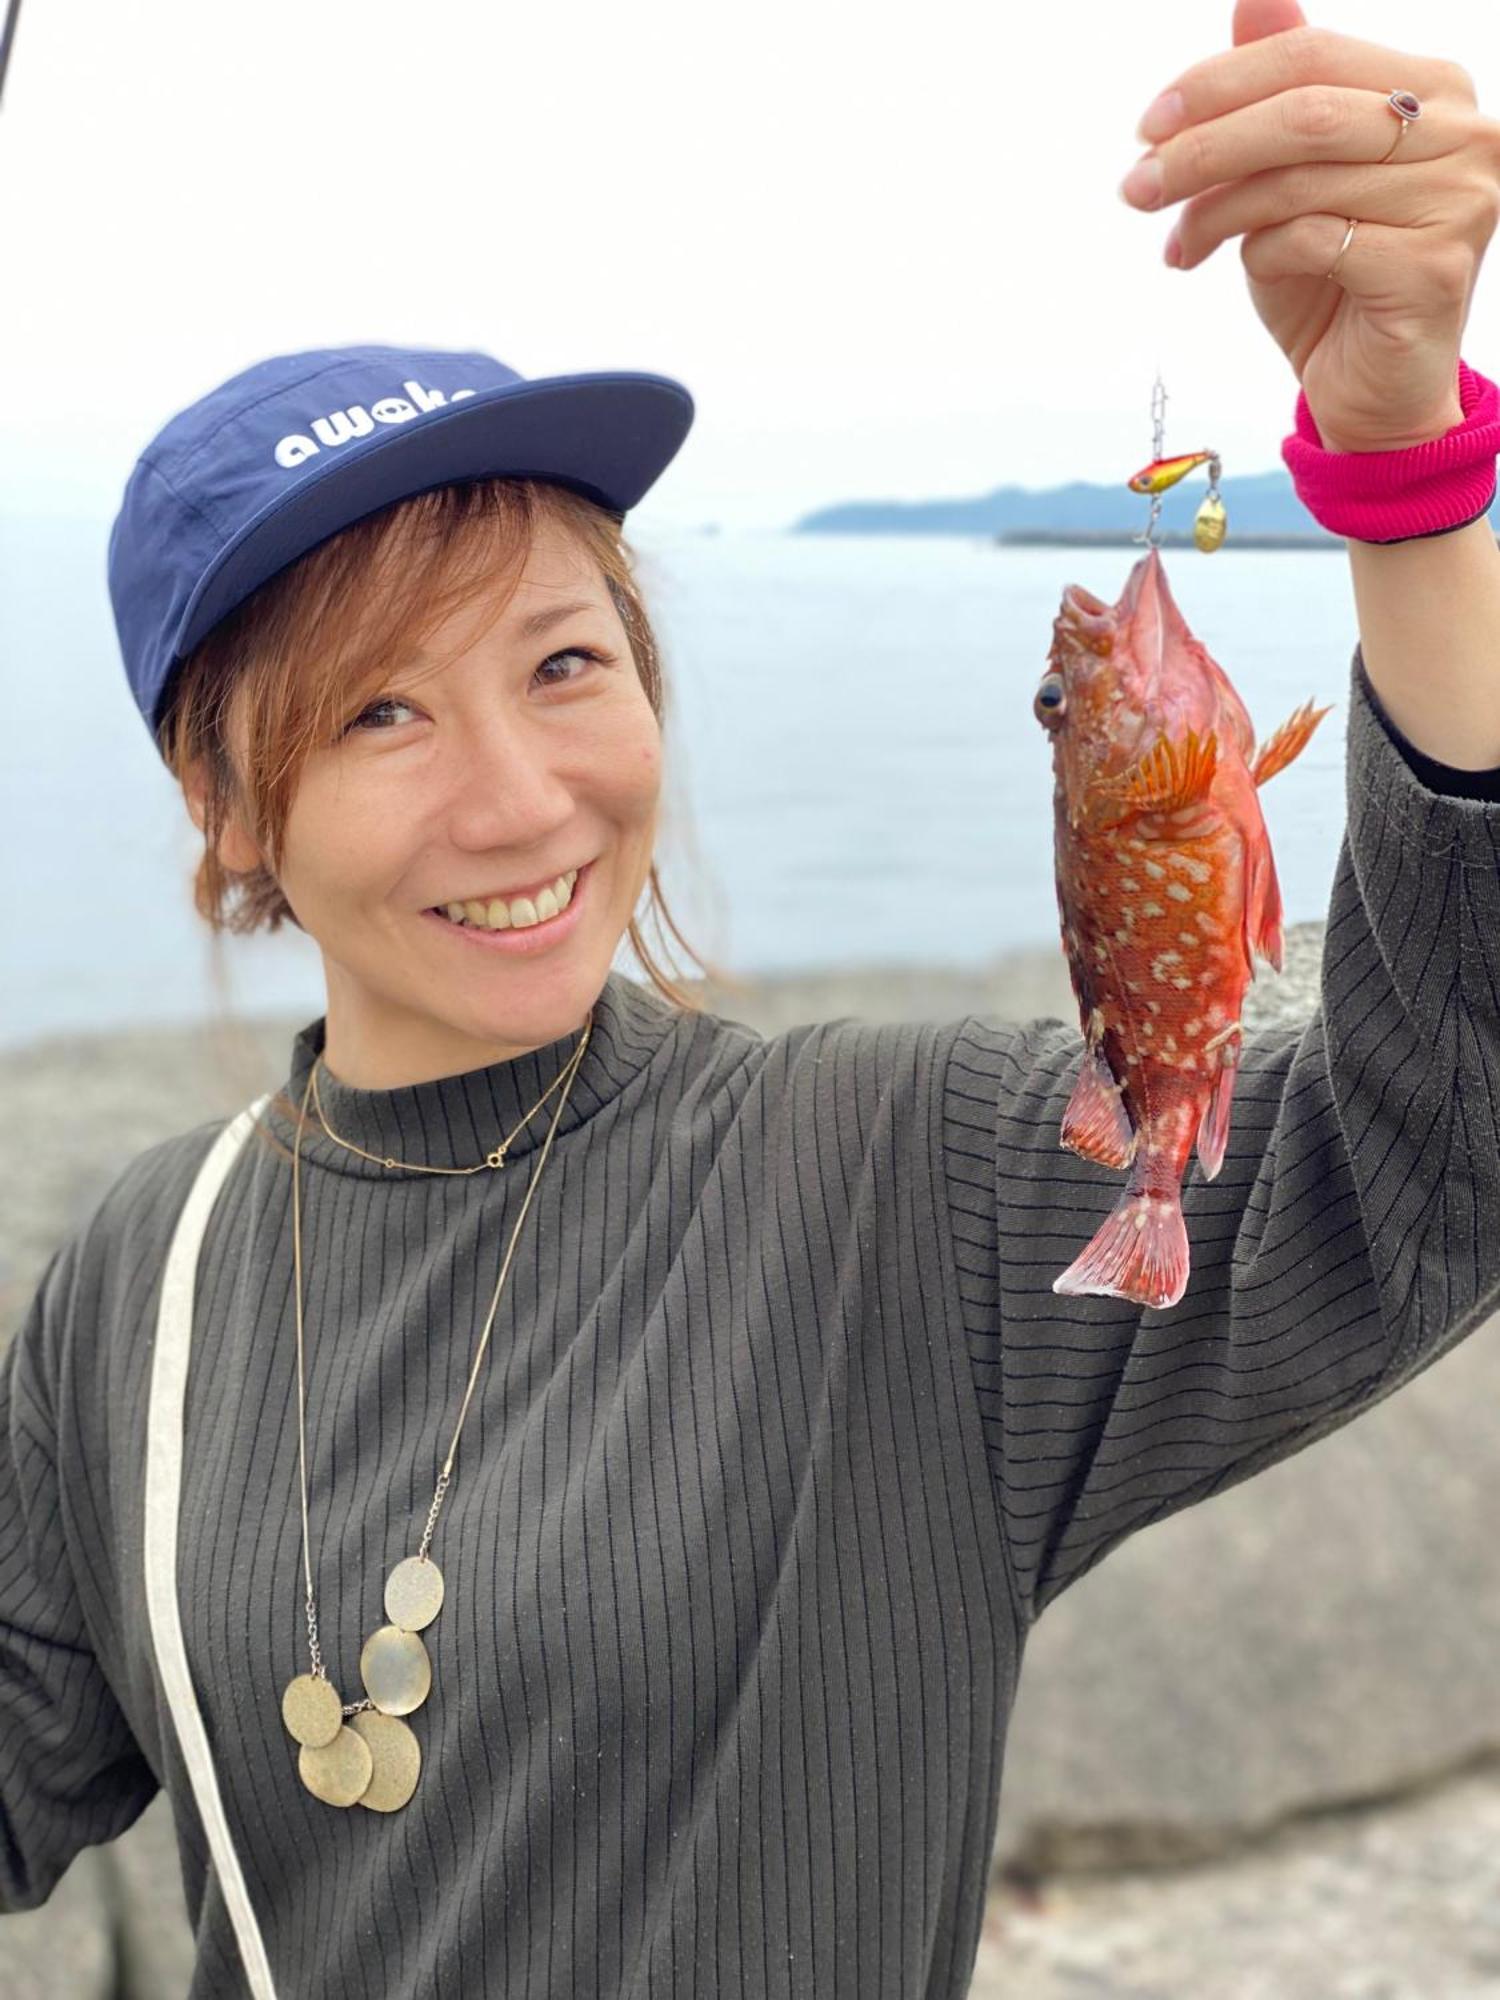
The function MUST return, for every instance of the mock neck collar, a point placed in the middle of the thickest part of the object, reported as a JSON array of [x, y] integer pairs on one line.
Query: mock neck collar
[[454, 1121]]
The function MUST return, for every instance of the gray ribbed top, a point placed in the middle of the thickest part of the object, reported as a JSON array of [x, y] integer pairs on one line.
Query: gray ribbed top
[[782, 1442]]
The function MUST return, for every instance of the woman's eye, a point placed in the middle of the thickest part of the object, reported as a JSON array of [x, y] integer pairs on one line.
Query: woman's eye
[[386, 701], [573, 653], [362, 720]]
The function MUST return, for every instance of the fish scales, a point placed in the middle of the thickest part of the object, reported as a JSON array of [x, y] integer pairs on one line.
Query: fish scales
[[1166, 892]]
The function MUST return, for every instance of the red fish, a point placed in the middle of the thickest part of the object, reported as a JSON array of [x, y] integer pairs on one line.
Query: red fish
[[1165, 889]]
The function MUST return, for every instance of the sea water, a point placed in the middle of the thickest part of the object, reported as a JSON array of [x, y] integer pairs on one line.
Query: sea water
[[853, 773]]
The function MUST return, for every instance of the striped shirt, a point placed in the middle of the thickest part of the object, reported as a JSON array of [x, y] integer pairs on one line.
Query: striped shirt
[[782, 1443]]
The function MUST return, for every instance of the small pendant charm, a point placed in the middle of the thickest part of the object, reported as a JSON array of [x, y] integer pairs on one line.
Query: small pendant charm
[[414, 1593], [312, 1711], [396, 1756], [396, 1670], [338, 1772]]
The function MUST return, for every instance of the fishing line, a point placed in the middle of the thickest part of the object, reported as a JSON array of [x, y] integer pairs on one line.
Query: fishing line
[[7, 37]]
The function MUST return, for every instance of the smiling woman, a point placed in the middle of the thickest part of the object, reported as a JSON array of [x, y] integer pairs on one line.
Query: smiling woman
[[300, 688]]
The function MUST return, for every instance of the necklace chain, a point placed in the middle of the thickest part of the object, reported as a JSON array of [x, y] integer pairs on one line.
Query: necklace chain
[[496, 1158]]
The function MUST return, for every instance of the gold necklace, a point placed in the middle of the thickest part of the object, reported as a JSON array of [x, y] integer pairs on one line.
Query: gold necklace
[[496, 1158], [374, 1760]]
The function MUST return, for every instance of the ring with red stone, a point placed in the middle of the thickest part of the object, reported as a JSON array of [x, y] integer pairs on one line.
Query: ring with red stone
[[1408, 108]]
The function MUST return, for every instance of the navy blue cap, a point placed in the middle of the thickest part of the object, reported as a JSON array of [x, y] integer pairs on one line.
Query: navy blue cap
[[294, 449]]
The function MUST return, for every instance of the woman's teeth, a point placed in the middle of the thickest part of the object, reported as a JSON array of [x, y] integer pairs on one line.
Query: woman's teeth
[[498, 915]]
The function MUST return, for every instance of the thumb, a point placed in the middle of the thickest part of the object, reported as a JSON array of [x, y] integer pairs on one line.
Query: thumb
[[1254, 19]]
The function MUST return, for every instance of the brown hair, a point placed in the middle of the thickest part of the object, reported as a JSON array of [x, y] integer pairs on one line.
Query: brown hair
[[316, 640]]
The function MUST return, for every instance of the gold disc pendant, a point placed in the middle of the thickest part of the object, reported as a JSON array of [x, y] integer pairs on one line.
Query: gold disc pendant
[[414, 1593], [396, 1755], [397, 1672], [338, 1772], [312, 1711]]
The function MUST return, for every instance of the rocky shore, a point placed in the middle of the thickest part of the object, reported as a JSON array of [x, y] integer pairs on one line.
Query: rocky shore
[[1224, 1782]]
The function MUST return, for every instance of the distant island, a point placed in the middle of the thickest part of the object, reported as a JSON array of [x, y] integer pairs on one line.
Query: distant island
[[1258, 504], [1111, 538]]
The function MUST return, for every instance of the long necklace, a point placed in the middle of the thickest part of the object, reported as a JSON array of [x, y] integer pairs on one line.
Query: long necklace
[[374, 1759]]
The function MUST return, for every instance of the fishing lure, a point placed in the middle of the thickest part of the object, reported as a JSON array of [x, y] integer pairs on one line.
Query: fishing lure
[[1211, 523]]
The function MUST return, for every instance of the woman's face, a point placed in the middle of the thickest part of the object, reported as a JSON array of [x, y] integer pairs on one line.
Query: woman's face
[[520, 759]]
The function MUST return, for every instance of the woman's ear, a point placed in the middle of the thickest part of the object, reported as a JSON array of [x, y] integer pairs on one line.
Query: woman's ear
[[237, 851]]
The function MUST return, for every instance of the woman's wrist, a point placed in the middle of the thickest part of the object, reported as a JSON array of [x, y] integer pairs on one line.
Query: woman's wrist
[[1428, 488]]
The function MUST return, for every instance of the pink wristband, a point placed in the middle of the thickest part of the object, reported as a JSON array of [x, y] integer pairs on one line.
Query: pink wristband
[[1399, 496]]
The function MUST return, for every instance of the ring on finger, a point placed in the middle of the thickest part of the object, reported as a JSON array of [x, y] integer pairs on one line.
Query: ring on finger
[[1408, 108]]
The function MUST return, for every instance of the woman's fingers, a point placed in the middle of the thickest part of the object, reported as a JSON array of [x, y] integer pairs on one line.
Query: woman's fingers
[[1311, 122], [1255, 70], [1376, 265], [1461, 196]]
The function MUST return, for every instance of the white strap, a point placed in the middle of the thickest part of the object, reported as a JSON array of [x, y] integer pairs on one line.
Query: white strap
[[169, 1370]]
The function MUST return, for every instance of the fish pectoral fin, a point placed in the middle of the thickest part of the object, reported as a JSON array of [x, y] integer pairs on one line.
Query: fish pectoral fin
[[1096, 1124], [1176, 773], [1286, 743]]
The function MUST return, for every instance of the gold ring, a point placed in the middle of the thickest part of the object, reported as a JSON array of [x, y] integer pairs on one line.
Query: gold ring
[[1348, 239]]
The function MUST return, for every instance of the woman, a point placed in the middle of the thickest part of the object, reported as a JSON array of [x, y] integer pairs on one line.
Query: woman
[[709, 1632]]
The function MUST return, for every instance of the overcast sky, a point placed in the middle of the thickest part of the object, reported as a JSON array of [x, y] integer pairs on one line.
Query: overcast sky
[[882, 246]]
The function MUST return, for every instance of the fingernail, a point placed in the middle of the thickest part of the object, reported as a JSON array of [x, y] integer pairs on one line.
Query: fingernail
[[1162, 117], [1142, 185], [1172, 251]]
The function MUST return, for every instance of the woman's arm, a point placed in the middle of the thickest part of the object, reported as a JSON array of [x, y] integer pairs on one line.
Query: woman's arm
[[71, 1772], [1429, 623]]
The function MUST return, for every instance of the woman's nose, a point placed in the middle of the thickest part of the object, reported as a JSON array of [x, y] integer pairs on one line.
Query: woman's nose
[[505, 785]]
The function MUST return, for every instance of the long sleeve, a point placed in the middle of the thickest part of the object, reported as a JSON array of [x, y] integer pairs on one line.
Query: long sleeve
[[71, 1772], [1351, 1238]]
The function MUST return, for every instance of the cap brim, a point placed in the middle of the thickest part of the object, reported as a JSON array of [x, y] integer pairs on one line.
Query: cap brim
[[608, 436]]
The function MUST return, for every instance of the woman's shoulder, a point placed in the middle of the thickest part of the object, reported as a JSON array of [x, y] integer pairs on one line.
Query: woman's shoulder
[[132, 1214], [843, 1058]]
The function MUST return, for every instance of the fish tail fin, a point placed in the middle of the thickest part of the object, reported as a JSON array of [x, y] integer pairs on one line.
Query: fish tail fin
[[1139, 1252], [1286, 743]]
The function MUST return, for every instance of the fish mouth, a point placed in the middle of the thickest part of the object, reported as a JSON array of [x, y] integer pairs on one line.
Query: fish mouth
[[1087, 618]]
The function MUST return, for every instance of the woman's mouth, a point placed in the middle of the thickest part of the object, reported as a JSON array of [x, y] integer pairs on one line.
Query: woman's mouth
[[521, 939]]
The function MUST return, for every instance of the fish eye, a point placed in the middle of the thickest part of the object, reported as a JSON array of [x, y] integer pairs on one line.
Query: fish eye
[[1051, 699]]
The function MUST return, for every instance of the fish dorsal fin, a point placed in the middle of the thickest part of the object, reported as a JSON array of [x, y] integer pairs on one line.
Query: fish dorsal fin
[[1286, 743], [1176, 772]]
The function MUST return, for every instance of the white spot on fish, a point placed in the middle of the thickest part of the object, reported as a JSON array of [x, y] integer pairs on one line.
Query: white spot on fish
[[1198, 870], [1180, 892], [1122, 937], [1169, 1043], [1189, 937], [1140, 1214], [1189, 1061], [1205, 921], [1129, 884], [1152, 910], [1154, 868], [1182, 983], [1192, 1027], [1148, 1027]]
